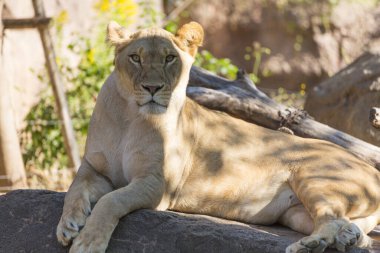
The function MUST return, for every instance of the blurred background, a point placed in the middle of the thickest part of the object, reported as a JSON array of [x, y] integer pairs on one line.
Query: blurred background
[[288, 47]]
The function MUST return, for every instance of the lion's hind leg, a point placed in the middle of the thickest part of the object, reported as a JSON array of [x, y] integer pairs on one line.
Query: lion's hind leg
[[333, 232], [332, 226], [298, 219], [335, 190], [87, 187], [340, 234]]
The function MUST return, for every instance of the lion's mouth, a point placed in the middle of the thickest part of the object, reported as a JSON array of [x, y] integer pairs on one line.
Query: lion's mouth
[[152, 107], [154, 103]]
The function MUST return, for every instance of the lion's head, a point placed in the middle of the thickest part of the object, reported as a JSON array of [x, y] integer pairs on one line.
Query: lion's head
[[153, 65]]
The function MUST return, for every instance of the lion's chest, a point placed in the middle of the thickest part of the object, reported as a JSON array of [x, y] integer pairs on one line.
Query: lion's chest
[[153, 150]]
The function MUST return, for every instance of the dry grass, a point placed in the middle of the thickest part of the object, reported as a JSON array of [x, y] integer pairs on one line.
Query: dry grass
[[50, 179]]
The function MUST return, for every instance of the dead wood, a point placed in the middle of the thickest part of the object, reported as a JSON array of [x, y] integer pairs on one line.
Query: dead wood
[[374, 117], [240, 98]]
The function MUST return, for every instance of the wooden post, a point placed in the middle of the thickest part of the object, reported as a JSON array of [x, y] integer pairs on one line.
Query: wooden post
[[58, 88], [22, 23], [12, 172]]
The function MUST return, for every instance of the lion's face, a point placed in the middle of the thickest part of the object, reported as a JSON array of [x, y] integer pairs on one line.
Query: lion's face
[[152, 63], [153, 67]]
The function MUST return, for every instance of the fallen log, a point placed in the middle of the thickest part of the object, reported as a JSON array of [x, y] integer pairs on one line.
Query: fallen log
[[240, 98]]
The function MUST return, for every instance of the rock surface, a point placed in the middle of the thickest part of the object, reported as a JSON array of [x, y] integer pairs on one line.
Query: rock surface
[[28, 220], [344, 101], [308, 40]]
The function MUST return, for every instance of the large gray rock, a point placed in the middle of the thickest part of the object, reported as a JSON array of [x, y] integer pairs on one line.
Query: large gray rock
[[28, 220], [344, 101]]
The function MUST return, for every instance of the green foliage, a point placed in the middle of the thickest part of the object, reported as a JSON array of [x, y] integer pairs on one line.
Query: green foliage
[[45, 147], [94, 67], [149, 14], [222, 67], [41, 139], [289, 98], [255, 54], [172, 27]]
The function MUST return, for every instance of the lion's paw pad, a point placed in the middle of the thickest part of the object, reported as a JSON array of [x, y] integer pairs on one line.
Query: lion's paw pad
[[310, 244], [347, 236]]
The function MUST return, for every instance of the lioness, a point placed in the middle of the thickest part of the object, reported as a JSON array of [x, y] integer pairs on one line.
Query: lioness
[[149, 146]]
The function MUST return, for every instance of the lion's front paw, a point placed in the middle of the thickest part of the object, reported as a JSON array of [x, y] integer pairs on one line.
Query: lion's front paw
[[72, 221], [309, 244], [89, 242]]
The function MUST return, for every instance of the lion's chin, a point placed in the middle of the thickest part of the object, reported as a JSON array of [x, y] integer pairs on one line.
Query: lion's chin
[[152, 108]]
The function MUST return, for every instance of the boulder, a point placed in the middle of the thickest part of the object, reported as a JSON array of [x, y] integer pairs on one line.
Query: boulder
[[308, 40], [344, 101], [29, 218]]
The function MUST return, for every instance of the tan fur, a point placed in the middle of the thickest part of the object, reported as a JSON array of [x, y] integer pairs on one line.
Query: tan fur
[[163, 151], [189, 38]]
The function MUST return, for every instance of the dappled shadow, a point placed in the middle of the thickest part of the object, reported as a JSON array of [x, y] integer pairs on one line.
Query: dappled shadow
[[239, 165]]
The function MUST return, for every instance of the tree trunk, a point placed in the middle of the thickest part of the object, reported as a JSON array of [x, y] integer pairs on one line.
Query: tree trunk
[[12, 172], [241, 98]]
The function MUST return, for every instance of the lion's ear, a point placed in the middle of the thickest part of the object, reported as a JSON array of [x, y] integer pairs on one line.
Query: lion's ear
[[116, 34], [190, 37]]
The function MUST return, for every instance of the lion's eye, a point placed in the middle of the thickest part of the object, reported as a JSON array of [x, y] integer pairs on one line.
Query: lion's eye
[[135, 58], [170, 58]]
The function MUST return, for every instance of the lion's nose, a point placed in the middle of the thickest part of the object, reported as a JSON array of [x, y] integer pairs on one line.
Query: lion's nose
[[152, 88]]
